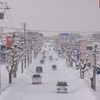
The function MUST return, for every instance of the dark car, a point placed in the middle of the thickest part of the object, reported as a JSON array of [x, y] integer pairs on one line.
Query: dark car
[[39, 69], [61, 87], [54, 67]]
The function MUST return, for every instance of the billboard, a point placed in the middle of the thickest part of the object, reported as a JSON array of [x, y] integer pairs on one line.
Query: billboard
[[64, 37], [9, 41], [64, 34]]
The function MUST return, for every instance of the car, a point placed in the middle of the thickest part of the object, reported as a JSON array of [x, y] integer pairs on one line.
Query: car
[[39, 69], [50, 57], [61, 87], [63, 56], [36, 79], [49, 45], [56, 59], [44, 57], [43, 53], [54, 67], [42, 61]]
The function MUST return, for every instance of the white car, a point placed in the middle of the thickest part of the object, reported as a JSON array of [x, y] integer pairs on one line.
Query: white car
[[61, 87], [36, 79]]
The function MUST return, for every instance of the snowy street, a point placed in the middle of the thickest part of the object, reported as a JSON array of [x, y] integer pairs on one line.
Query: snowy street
[[23, 89], [50, 50]]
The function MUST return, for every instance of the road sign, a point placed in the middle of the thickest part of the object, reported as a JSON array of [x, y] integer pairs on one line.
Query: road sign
[[9, 41], [78, 55]]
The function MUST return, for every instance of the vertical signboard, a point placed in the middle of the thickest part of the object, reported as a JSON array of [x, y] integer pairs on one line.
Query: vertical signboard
[[9, 41], [1, 15], [78, 55]]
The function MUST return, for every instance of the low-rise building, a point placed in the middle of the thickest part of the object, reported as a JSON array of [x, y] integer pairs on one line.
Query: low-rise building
[[87, 48]]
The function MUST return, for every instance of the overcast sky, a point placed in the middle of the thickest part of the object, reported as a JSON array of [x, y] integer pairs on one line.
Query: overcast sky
[[55, 15]]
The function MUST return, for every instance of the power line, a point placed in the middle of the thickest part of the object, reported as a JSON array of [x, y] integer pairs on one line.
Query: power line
[[52, 30], [6, 15], [13, 21], [11, 28], [11, 24]]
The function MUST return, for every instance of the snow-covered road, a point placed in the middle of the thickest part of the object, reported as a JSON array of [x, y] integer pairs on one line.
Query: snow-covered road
[[23, 89]]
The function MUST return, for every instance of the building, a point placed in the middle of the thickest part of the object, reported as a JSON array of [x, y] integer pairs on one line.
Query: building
[[86, 48]]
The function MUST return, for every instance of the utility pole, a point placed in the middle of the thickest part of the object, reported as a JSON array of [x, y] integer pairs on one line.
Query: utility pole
[[24, 27], [28, 47], [4, 7], [22, 58], [94, 71]]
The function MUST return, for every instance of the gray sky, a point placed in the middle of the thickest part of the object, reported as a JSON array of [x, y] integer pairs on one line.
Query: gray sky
[[55, 15]]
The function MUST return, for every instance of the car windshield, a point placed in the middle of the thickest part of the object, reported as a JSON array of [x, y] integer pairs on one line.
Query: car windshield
[[36, 75], [61, 83], [54, 65], [39, 67], [42, 60]]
